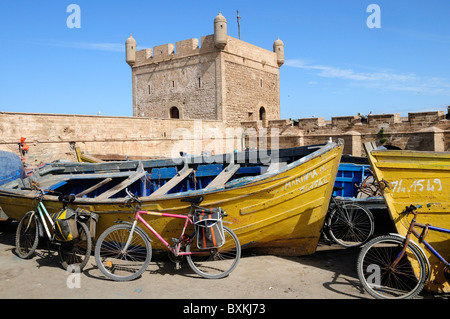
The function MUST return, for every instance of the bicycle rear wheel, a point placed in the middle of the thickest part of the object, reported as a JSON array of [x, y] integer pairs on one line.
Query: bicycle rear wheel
[[77, 251], [350, 225], [215, 263], [381, 279], [27, 235], [120, 265]]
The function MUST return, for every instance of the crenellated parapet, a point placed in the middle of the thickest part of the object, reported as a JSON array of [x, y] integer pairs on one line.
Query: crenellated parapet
[[206, 45], [179, 50]]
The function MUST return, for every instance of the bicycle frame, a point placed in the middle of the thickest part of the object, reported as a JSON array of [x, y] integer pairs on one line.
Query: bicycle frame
[[43, 212], [138, 217], [429, 247], [411, 230]]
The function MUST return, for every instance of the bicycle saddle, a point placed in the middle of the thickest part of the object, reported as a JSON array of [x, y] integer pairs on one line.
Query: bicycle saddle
[[193, 200], [337, 188], [66, 198]]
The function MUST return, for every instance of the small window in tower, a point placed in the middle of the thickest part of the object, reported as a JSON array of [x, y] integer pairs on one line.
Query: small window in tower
[[149, 89], [260, 82], [262, 114], [199, 83], [174, 113], [173, 84]]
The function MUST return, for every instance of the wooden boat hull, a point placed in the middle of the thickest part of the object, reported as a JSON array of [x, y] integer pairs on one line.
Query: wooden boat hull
[[421, 179], [281, 212]]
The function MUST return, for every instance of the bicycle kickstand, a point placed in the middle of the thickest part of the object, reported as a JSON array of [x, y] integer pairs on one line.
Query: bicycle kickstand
[[176, 259]]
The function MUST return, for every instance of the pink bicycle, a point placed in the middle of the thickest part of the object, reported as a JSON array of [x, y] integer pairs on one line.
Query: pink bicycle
[[123, 251]]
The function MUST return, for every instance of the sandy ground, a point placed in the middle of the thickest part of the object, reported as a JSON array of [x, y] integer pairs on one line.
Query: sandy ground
[[328, 274]]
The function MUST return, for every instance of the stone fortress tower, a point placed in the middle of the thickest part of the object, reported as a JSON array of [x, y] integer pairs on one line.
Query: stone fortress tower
[[222, 79]]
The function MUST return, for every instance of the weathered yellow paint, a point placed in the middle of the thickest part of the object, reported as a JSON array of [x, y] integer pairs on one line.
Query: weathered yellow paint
[[281, 212], [84, 157], [421, 179]]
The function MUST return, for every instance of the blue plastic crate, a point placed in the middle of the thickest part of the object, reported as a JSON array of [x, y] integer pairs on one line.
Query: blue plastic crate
[[347, 176]]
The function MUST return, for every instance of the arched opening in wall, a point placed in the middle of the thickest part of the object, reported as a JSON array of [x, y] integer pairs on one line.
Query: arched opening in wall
[[262, 114], [174, 113]]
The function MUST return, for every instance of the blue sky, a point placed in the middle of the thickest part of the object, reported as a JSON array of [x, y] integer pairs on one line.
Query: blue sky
[[335, 64]]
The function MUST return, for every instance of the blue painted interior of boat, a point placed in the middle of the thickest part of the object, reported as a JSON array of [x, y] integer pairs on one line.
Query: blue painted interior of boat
[[150, 182], [206, 173]]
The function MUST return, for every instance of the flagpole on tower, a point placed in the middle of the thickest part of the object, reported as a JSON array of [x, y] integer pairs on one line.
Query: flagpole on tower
[[239, 26]]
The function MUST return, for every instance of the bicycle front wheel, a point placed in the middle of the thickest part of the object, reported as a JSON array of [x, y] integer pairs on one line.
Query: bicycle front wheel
[[77, 251], [118, 264], [350, 225], [384, 280], [27, 235], [215, 263]]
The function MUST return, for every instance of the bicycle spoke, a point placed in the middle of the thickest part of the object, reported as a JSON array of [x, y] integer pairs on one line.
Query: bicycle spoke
[[114, 261], [77, 251], [350, 225], [216, 262], [384, 279]]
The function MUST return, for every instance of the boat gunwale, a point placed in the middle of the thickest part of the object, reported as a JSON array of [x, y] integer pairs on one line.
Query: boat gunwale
[[409, 153]]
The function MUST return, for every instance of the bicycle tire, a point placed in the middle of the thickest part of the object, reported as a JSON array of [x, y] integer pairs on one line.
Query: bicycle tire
[[27, 235], [350, 225], [381, 281], [78, 251], [219, 262], [120, 266]]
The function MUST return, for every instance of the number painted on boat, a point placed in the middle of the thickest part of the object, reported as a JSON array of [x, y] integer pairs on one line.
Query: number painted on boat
[[418, 185]]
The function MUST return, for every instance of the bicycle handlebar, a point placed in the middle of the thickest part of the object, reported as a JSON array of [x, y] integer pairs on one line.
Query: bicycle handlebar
[[410, 209], [132, 197]]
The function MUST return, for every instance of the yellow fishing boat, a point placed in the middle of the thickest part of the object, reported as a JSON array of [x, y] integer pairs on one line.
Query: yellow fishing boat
[[423, 180], [276, 201]]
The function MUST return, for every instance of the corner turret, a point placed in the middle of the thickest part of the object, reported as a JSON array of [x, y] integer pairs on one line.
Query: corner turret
[[220, 31], [278, 48], [130, 50]]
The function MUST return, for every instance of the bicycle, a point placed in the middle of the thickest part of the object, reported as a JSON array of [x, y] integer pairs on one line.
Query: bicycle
[[71, 251], [348, 224], [369, 187], [394, 266], [123, 251]]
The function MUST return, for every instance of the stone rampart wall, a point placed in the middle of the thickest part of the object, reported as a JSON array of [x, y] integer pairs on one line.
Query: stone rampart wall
[[423, 131], [53, 136]]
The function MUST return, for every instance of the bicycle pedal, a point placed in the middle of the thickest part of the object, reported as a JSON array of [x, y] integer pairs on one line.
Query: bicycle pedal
[[177, 266]]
